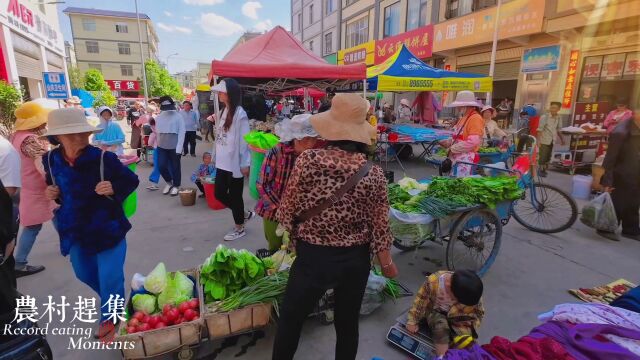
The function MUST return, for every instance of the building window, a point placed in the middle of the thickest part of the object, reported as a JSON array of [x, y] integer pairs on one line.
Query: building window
[[124, 49], [122, 28], [88, 25], [349, 2], [92, 47], [95, 66], [328, 43], [357, 32], [392, 20], [126, 70], [417, 11], [311, 14], [311, 45], [330, 6], [300, 22], [456, 8]]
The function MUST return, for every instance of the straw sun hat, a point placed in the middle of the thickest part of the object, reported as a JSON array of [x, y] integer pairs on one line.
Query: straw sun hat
[[465, 98], [30, 115], [346, 120], [296, 128], [69, 121]]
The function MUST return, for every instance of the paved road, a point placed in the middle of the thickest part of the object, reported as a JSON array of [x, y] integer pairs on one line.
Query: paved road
[[531, 274]]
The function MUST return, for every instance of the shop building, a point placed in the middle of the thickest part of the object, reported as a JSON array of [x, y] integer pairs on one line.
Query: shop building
[[30, 43], [315, 24], [108, 41]]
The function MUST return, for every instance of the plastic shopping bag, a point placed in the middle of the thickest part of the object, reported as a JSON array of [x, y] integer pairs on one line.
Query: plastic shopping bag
[[373, 297], [600, 214]]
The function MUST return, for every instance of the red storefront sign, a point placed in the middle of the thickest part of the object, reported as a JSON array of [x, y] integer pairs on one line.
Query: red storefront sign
[[570, 83], [123, 85], [592, 112], [418, 41], [21, 12]]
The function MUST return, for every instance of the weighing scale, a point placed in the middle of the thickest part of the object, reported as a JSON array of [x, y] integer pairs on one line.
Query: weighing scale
[[419, 345]]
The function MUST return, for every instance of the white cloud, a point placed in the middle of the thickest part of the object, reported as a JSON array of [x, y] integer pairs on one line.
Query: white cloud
[[203, 2], [250, 9], [174, 28], [264, 25], [186, 17], [168, 14], [216, 25]]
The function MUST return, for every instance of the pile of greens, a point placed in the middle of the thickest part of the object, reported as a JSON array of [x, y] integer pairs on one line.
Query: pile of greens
[[476, 190], [267, 289], [227, 271], [422, 203], [488, 150]]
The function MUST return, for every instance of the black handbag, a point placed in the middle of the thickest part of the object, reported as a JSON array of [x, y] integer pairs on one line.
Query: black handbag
[[23, 347]]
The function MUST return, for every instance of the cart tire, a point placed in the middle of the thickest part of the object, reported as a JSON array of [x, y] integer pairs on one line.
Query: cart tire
[[400, 245], [549, 193], [185, 353], [476, 233]]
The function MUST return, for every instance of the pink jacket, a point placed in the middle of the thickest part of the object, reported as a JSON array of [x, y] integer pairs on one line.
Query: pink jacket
[[614, 118], [35, 208]]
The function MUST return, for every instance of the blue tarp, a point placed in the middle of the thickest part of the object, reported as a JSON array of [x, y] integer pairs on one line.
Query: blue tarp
[[85, 97]]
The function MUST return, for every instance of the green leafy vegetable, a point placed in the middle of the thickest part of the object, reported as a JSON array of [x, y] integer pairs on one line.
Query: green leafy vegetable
[[156, 281], [144, 302], [488, 150], [476, 190], [227, 271], [177, 290], [267, 289]]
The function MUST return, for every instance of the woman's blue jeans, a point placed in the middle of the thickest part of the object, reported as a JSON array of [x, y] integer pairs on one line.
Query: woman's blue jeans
[[25, 242]]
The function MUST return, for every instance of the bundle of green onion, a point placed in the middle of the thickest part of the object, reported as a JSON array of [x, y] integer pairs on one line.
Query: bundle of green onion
[[267, 289]]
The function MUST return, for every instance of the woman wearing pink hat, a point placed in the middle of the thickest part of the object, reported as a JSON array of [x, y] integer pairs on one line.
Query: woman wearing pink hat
[[491, 128], [468, 133]]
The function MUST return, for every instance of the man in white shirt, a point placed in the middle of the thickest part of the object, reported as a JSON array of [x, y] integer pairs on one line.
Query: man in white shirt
[[10, 180], [548, 128], [9, 166]]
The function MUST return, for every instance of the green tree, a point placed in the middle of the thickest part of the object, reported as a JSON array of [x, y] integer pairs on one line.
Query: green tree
[[94, 81], [160, 82], [103, 98], [75, 77], [10, 99]]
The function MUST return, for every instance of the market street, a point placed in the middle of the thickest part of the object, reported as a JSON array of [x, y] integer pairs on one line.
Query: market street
[[532, 272]]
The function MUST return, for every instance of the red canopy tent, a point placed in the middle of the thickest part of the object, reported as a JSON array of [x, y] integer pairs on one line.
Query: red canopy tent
[[277, 61], [313, 92]]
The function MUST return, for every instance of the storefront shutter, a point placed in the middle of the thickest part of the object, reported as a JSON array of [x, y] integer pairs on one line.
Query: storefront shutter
[[55, 61], [503, 71], [28, 66]]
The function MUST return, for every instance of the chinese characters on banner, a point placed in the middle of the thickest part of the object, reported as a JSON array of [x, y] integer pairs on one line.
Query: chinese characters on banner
[[612, 66], [31, 23], [570, 83], [418, 41], [590, 112], [363, 53], [123, 85], [84, 310], [517, 18]]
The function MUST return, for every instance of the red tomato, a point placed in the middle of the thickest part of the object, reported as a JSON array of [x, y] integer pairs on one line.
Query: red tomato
[[184, 307], [134, 322], [132, 329], [145, 318], [164, 319], [153, 320], [166, 308], [172, 315], [189, 314], [144, 327], [196, 317], [193, 303], [179, 320], [139, 315], [160, 325]]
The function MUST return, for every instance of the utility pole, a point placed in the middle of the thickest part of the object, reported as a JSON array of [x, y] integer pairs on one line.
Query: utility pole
[[494, 49], [144, 71]]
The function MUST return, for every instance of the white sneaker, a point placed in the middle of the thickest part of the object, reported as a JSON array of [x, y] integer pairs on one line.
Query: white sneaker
[[166, 189], [153, 187], [248, 215], [235, 234], [174, 191]]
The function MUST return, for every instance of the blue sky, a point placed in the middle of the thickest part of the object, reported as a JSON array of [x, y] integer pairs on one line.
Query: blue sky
[[198, 30]]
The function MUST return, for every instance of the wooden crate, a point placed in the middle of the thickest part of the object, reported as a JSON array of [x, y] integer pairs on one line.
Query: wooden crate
[[161, 341], [220, 325]]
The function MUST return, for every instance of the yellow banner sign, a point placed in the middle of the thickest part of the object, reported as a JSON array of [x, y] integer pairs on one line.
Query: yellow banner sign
[[517, 18], [393, 83], [363, 53]]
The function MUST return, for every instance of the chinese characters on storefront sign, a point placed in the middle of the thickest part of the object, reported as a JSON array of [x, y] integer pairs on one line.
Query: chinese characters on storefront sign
[[632, 65], [418, 41], [31, 23], [570, 83], [517, 18], [591, 112], [612, 66], [363, 53], [123, 85]]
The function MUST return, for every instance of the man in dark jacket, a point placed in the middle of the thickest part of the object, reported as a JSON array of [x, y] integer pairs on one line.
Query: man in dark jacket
[[622, 175]]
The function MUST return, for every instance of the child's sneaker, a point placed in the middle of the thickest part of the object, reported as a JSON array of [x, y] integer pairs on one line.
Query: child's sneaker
[[153, 187], [235, 234]]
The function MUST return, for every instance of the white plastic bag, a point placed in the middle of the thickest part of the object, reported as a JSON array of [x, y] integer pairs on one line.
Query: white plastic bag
[[600, 214], [373, 297]]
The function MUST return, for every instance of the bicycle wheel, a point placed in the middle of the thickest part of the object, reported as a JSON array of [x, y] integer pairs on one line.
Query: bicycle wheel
[[549, 211], [475, 241]]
